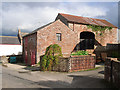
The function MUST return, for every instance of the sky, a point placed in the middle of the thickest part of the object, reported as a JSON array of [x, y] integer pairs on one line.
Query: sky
[[29, 16]]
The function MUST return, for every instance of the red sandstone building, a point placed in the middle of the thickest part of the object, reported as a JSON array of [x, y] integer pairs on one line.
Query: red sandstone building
[[70, 32]]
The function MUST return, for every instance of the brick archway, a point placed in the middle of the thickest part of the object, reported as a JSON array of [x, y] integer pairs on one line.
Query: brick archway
[[87, 40]]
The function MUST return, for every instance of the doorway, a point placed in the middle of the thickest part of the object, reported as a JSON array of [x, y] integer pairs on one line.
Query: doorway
[[87, 40]]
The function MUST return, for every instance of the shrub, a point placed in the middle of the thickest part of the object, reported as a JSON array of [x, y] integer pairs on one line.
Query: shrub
[[50, 59], [80, 52], [43, 63]]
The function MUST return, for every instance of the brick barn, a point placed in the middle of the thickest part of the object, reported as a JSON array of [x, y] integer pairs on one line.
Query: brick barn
[[68, 31]]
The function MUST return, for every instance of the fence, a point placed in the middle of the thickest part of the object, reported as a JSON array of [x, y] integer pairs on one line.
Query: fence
[[75, 63], [112, 71], [113, 50]]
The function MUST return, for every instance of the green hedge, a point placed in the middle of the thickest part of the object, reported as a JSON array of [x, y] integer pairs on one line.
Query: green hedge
[[80, 52]]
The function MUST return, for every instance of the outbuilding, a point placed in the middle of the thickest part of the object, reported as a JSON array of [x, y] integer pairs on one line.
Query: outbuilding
[[71, 33], [9, 45]]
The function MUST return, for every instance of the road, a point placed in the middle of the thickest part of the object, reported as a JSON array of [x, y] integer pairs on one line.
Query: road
[[87, 79]]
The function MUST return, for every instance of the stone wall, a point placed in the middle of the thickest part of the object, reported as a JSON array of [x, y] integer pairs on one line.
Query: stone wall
[[75, 63], [112, 71], [63, 65]]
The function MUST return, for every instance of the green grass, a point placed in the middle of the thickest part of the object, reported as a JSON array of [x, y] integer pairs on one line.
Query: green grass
[[92, 69], [80, 52], [87, 69]]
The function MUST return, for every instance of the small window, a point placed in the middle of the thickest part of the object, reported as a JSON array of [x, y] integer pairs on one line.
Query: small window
[[58, 35]]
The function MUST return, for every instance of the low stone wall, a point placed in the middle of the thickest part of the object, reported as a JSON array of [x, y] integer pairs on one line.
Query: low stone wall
[[82, 63], [63, 65], [112, 71], [75, 63]]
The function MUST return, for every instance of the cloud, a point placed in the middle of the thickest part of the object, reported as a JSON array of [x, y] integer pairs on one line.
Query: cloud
[[29, 16]]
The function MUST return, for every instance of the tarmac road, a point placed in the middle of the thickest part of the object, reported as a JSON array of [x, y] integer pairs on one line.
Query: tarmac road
[[86, 79]]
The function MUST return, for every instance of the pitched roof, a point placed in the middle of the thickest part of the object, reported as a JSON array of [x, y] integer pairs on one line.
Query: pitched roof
[[9, 40], [86, 20], [38, 29], [23, 34]]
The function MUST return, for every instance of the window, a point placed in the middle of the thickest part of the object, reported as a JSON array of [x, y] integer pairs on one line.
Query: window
[[58, 35]]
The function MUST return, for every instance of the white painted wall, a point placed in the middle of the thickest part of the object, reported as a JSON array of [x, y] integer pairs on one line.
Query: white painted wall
[[10, 49]]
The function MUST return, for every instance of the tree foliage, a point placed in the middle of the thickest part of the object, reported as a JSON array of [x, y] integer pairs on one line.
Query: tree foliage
[[96, 28], [50, 59]]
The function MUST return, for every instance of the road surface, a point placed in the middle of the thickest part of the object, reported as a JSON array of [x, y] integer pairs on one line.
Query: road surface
[[86, 79]]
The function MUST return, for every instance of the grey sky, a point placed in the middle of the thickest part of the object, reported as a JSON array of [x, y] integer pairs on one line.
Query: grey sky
[[30, 15]]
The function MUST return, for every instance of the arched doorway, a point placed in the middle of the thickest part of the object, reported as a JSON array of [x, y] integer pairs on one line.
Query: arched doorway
[[87, 40]]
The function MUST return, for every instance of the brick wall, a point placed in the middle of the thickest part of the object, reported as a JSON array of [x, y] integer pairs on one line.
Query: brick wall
[[70, 38], [47, 36], [29, 46], [75, 63], [112, 71], [108, 36], [82, 63]]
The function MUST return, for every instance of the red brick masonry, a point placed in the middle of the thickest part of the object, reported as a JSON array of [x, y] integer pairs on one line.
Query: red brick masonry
[[75, 63], [82, 63]]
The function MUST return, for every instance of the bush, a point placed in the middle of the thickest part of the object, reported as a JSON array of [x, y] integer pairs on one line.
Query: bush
[[80, 52], [43, 63], [50, 59]]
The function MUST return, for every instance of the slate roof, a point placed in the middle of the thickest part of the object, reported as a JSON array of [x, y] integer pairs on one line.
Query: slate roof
[[23, 34], [86, 20], [9, 40]]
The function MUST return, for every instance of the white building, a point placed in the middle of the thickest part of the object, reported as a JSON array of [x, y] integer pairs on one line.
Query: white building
[[10, 45]]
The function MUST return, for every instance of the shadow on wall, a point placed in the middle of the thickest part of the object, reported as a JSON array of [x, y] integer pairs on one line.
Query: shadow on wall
[[89, 44]]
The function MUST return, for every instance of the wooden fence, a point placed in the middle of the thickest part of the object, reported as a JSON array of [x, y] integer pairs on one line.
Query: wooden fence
[[113, 50]]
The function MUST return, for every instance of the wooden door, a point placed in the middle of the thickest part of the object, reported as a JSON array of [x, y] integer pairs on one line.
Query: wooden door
[[26, 57], [32, 57]]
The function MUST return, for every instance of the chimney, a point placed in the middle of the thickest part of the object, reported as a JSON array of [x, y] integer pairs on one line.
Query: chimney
[[19, 31]]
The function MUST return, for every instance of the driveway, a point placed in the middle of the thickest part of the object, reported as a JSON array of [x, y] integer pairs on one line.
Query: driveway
[[37, 79]]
